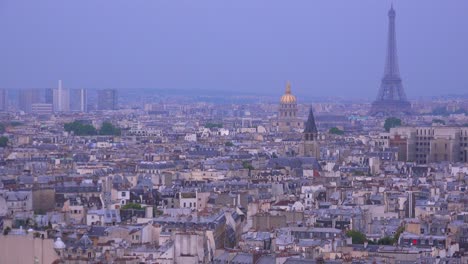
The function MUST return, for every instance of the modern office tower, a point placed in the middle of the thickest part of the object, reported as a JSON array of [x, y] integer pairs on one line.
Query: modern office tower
[[3, 100], [28, 97], [107, 99], [391, 99], [61, 99], [287, 113], [49, 96], [78, 100]]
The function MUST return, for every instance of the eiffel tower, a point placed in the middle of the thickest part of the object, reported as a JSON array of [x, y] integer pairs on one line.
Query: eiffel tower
[[391, 99]]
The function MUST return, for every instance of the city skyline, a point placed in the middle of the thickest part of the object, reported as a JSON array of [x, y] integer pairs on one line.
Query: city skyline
[[234, 132], [322, 50]]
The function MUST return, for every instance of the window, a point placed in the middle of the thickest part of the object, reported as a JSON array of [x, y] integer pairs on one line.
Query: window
[[124, 194]]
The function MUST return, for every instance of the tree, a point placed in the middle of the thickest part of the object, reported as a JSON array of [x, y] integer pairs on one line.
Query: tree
[[3, 142], [213, 125], [157, 211], [108, 129], [336, 131], [6, 230], [391, 122], [247, 165], [134, 206], [229, 144], [440, 111], [438, 121], [386, 241], [356, 236], [2, 128], [16, 123], [80, 129], [400, 230]]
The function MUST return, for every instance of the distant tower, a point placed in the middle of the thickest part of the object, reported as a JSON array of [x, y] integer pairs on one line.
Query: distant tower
[[27, 98], [310, 147], [49, 96], [60, 98], [80, 100], [3, 100], [107, 99], [391, 99], [287, 112], [60, 95]]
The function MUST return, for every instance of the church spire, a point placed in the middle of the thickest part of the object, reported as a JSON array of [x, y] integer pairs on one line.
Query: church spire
[[311, 147], [309, 126]]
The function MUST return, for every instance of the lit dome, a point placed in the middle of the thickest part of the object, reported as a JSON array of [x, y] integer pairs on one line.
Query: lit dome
[[287, 97], [58, 244]]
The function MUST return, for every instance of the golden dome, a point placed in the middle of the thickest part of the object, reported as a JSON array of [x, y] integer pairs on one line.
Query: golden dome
[[287, 97]]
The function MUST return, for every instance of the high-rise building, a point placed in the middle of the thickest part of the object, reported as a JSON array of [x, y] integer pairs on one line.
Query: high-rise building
[[61, 99], [107, 99], [287, 120], [3, 100], [78, 100], [49, 96], [27, 98], [391, 99]]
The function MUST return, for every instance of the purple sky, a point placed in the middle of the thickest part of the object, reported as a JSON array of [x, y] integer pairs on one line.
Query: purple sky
[[323, 47]]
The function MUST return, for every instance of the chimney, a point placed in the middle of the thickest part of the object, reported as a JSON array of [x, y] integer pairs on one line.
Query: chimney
[[149, 212]]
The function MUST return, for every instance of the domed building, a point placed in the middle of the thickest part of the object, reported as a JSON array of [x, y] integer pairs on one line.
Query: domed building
[[287, 120], [59, 245]]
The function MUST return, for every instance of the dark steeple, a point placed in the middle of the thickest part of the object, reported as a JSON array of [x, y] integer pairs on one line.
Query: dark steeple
[[310, 129], [310, 147]]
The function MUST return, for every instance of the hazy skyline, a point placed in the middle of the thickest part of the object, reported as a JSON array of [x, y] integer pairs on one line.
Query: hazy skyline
[[325, 48]]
